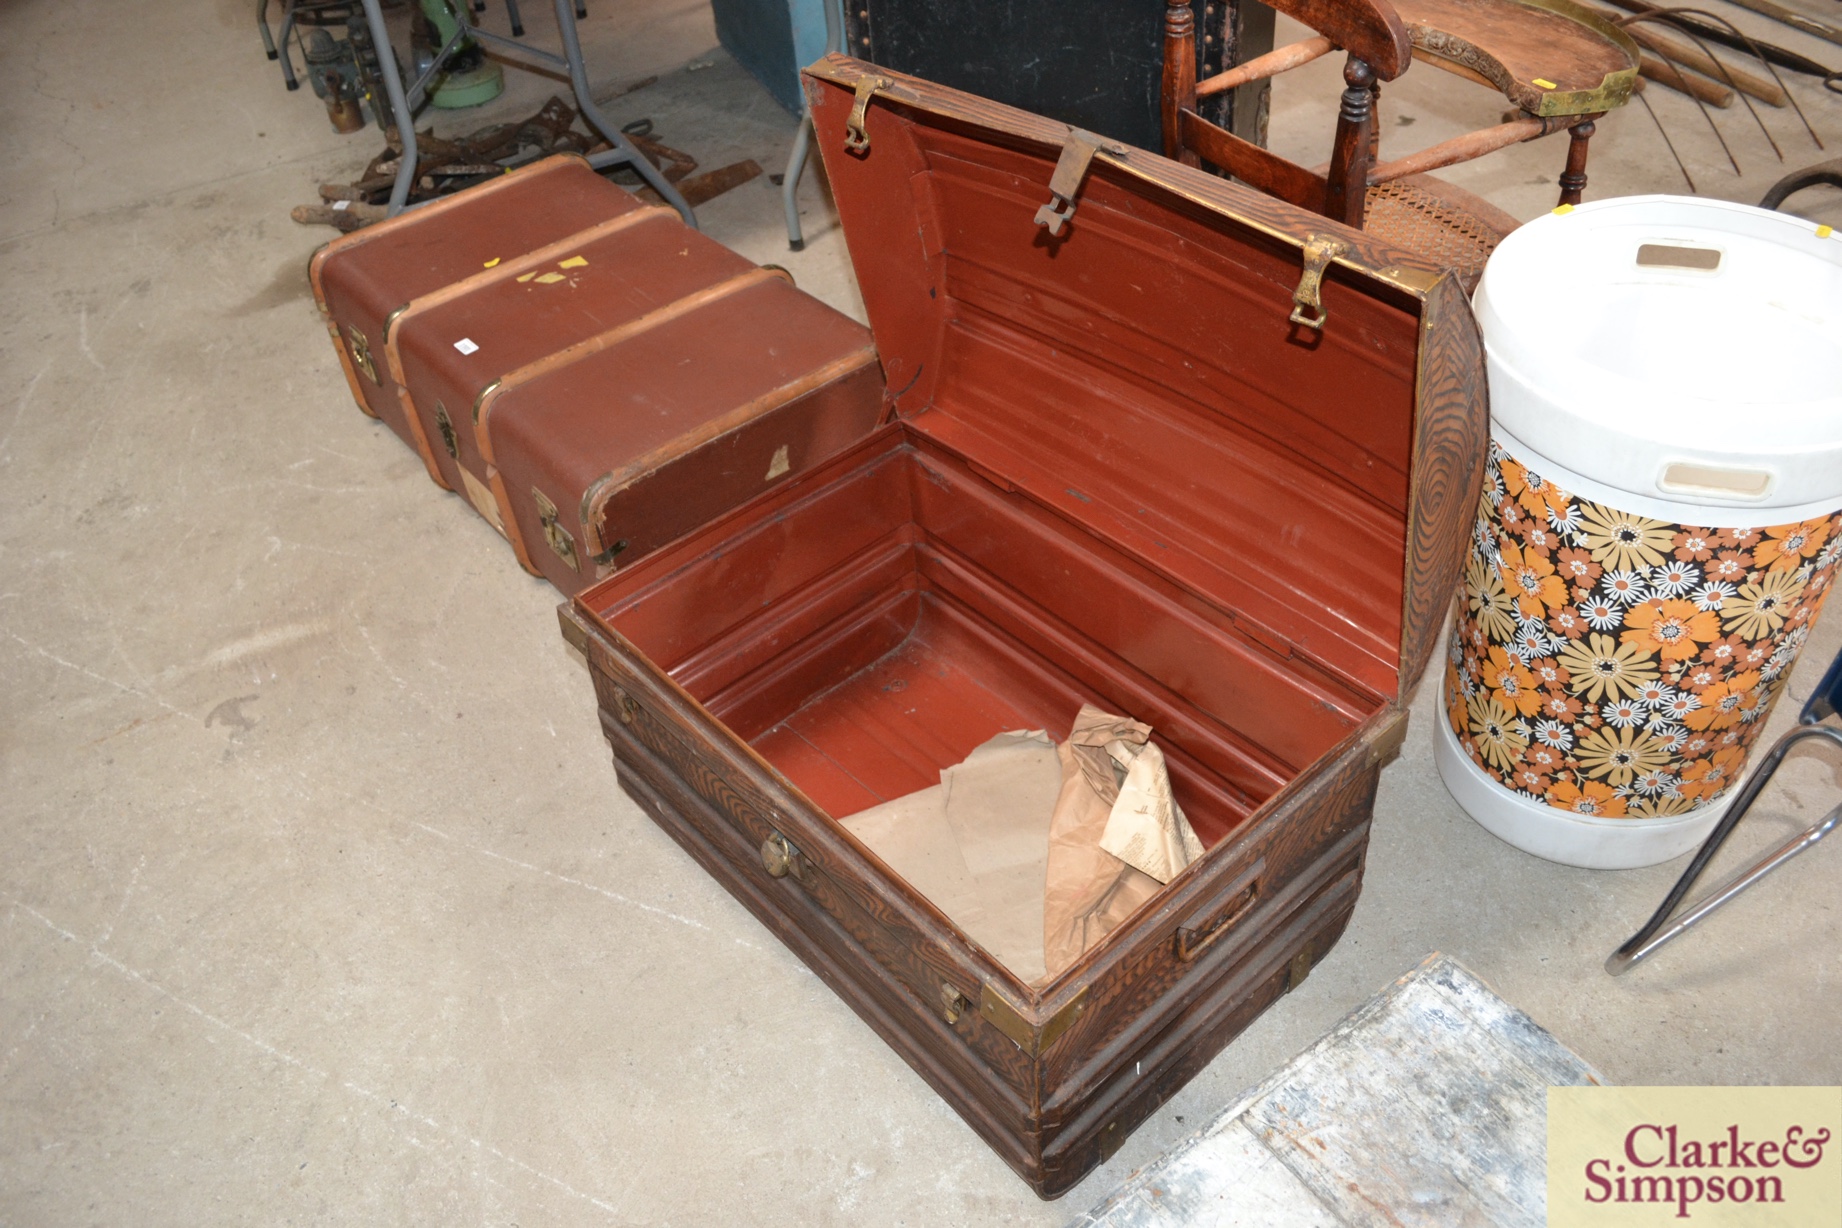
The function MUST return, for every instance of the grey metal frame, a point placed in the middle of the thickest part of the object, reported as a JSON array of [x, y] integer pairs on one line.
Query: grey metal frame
[[403, 102], [270, 41], [802, 140], [287, 28]]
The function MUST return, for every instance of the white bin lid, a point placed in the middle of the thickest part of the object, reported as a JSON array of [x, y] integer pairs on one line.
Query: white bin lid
[[1678, 349]]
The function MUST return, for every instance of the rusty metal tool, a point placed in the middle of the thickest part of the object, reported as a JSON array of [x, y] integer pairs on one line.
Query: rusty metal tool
[[1703, 26], [1829, 172]]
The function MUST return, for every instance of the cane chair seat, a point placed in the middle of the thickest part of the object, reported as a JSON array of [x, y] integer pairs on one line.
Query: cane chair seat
[[1450, 226]]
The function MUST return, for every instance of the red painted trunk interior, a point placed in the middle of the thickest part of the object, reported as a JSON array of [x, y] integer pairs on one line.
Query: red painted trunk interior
[[877, 620], [1119, 476]]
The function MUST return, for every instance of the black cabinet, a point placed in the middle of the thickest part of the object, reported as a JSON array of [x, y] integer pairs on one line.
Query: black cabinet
[[1095, 64]]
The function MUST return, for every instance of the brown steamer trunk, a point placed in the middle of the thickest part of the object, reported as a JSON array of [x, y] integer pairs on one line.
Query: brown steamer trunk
[[1117, 471], [700, 343], [449, 346], [361, 279], [601, 452]]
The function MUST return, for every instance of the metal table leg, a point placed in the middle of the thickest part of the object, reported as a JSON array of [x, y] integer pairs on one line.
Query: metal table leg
[[623, 152], [802, 140], [402, 112], [287, 30], [262, 24], [399, 107], [789, 182]]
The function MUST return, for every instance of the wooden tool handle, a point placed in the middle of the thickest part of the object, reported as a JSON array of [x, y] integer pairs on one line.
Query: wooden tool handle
[[1664, 73]]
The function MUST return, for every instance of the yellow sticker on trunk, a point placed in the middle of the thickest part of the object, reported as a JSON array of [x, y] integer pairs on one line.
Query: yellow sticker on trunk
[[574, 262], [490, 263], [1544, 83], [550, 279], [526, 276]]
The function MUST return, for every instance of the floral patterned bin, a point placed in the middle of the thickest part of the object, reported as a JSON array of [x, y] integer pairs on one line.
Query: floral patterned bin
[[1619, 646], [1612, 666]]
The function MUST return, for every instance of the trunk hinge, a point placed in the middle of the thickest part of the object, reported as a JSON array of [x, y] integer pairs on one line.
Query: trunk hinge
[[1319, 252], [856, 139], [1070, 170]]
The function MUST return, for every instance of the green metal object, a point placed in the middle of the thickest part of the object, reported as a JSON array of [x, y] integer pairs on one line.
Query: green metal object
[[468, 79]]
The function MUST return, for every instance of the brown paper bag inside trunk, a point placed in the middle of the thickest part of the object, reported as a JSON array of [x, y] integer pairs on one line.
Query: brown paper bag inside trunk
[[974, 844], [1117, 835], [1037, 850]]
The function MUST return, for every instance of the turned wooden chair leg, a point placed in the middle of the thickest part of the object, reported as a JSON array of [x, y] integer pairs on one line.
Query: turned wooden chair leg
[[1179, 78], [1573, 179], [1350, 158], [1375, 123]]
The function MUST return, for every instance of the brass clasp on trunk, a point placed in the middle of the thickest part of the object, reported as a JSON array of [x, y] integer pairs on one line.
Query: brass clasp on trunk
[[361, 351], [1301, 965], [856, 139], [1307, 300], [445, 424], [554, 533], [953, 1003], [781, 859], [1070, 171]]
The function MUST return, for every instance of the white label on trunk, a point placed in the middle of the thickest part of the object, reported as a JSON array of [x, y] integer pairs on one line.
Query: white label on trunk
[[340, 206], [465, 345]]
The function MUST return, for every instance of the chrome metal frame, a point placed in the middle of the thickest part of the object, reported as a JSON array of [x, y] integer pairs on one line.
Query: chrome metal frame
[[1654, 936]]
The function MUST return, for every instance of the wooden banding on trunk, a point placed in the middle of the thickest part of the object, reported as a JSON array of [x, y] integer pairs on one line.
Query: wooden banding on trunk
[[630, 368], [359, 280], [502, 270], [623, 441]]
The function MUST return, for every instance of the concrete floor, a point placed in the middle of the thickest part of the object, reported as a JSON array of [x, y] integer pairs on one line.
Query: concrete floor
[[319, 902]]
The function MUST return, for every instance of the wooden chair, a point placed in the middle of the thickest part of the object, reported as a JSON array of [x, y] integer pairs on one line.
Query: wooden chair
[[1561, 66]]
